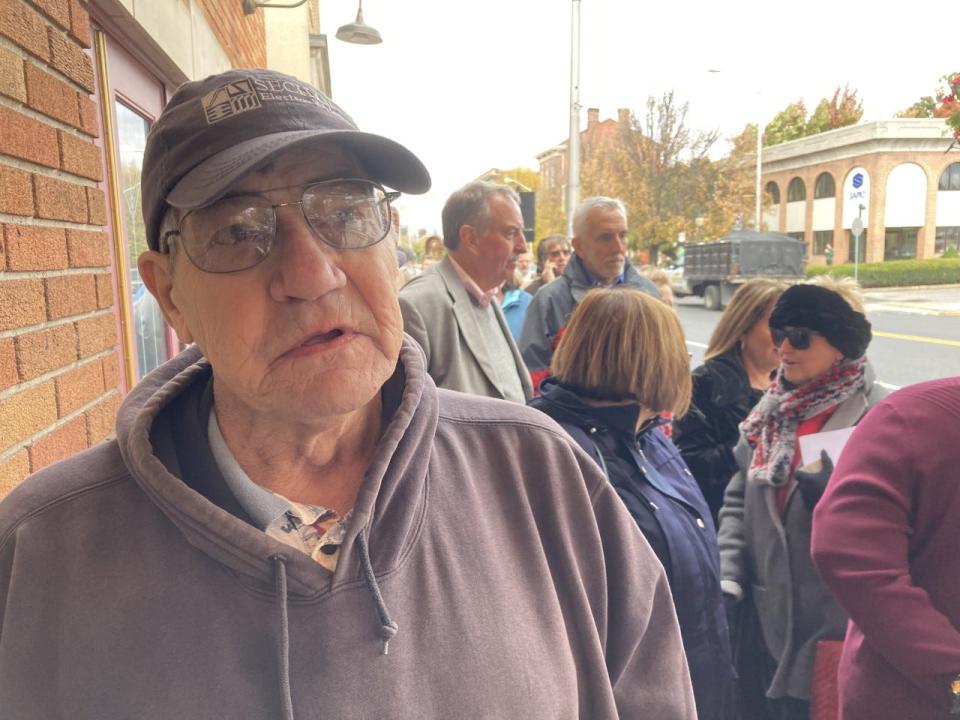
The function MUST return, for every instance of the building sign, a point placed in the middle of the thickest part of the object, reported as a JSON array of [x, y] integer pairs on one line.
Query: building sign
[[856, 192]]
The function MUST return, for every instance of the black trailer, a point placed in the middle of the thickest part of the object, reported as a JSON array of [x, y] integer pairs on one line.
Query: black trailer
[[714, 270]]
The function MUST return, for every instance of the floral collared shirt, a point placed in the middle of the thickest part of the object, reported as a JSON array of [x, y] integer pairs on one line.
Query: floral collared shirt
[[317, 531]]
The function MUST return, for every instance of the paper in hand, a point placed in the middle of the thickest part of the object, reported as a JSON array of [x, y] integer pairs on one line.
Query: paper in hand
[[832, 441]]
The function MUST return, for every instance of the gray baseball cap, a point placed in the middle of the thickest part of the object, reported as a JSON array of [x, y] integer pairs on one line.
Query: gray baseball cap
[[214, 131]]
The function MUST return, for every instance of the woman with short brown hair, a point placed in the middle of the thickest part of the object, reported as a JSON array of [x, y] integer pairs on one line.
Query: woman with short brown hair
[[621, 362]]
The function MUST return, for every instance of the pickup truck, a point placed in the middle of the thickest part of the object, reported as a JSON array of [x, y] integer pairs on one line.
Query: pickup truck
[[714, 270]]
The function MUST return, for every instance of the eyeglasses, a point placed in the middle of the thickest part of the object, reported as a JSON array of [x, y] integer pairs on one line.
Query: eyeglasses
[[799, 338], [239, 232], [558, 252]]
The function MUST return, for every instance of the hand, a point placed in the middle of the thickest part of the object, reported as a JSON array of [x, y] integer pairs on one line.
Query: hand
[[812, 484], [549, 273]]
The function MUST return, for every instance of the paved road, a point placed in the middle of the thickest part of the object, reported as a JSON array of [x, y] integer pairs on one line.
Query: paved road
[[913, 341]]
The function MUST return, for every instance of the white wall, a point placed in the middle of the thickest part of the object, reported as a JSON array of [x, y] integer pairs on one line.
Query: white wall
[[948, 208], [288, 40], [824, 210], [177, 26], [906, 196], [771, 218], [796, 212]]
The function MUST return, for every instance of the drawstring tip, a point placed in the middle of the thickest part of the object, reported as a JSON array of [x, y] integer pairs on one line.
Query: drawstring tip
[[387, 632]]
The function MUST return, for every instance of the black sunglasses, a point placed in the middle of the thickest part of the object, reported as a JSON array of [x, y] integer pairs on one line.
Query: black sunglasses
[[799, 337]]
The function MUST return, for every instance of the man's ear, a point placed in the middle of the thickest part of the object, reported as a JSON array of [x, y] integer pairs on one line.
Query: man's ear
[[575, 244], [468, 238], [155, 271]]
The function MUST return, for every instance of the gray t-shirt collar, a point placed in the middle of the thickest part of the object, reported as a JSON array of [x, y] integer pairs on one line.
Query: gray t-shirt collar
[[261, 505]]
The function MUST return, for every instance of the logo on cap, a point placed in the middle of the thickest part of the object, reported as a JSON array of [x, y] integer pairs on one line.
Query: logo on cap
[[229, 100]]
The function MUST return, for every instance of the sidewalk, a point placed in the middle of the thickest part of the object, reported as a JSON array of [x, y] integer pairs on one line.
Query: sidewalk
[[942, 300]]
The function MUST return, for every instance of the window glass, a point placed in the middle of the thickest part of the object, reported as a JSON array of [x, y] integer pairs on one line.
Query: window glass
[[950, 178], [863, 245], [774, 192], [947, 238], [796, 190], [821, 238], [149, 331], [900, 244], [825, 187]]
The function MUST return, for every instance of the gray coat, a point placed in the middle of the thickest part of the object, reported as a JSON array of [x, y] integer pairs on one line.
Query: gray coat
[[769, 554], [437, 313], [554, 303]]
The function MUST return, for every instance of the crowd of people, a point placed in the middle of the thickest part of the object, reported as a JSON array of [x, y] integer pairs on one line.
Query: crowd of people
[[488, 488]]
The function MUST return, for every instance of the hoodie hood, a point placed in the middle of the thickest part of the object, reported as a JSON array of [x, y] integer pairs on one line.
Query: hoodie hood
[[389, 506]]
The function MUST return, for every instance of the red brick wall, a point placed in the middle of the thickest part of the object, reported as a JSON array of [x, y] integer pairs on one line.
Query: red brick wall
[[59, 368], [241, 36]]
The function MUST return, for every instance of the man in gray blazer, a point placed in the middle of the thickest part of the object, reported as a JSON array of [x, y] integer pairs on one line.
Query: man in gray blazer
[[451, 310]]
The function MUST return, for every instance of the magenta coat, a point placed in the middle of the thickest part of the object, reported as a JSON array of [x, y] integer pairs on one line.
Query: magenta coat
[[886, 539]]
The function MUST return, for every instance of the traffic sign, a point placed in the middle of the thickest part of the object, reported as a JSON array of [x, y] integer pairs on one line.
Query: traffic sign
[[856, 227]]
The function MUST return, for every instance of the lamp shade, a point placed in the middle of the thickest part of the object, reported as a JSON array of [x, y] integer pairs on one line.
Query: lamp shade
[[359, 32]]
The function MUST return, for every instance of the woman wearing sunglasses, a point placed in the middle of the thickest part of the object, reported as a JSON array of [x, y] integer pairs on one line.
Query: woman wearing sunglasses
[[824, 383]]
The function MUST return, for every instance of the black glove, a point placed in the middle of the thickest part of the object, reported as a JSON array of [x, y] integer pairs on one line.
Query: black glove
[[812, 484]]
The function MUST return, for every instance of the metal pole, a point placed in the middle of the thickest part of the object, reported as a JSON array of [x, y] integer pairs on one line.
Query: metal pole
[[856, 247], [756, 212], [573, 144]]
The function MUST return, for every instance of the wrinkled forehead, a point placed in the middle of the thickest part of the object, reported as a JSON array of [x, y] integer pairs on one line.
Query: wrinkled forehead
[[296, 166], [603, 218]]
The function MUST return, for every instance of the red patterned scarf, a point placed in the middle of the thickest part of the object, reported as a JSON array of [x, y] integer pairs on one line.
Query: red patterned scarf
[[771, 427]]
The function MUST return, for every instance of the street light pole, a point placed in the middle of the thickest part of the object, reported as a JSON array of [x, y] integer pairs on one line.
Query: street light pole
[[756, 211], [573, 144]]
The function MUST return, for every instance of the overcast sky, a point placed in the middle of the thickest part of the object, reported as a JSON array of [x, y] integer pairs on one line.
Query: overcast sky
[[473, 85]]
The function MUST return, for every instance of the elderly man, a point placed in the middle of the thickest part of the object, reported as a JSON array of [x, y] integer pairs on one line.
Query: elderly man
[[599, 260], [451, 309], [293, 521]]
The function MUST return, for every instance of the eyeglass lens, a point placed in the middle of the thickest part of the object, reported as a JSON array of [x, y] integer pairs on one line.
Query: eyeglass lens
[[237, 233], [799, 337]]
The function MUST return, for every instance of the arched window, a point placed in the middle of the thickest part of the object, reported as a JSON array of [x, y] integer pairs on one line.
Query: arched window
[[950, 179], [824, 187], [796, 190], [773, 190]]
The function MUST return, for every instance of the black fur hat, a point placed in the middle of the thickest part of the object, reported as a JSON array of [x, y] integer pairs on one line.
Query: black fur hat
[[826, 312]]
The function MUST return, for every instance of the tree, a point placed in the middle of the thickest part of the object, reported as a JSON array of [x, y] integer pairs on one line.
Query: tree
[[922, 108], [791, 123], [942, 104], [733, 187], [658, 166], [840, 111], [788, 124]]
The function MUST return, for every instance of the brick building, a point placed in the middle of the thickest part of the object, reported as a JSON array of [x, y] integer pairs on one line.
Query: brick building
[[554, 161], [80, 84], [897, 170]]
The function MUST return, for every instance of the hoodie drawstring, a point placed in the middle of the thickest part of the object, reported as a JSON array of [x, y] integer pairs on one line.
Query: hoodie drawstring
[[388, 628], [280, 568]]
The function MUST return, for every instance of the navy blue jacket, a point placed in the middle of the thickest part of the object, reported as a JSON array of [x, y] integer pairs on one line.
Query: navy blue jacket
[[662, 496]]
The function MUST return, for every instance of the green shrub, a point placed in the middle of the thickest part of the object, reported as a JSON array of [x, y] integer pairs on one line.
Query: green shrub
[[897, 273]]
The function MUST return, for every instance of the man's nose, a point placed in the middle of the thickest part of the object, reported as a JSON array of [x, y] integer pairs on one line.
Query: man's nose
[[305, 267], [520, 244]]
